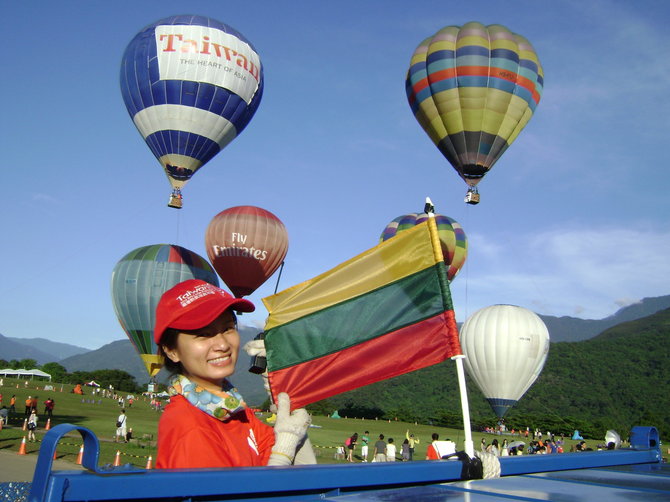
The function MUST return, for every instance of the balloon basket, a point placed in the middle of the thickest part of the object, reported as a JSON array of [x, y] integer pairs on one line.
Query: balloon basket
[[175, 199], [472, 197]]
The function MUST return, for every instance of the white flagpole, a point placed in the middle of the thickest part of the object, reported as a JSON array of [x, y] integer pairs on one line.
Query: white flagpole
[[465, 406]]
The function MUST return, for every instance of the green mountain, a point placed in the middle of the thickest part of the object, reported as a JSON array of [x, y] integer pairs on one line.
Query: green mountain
[[573, 329], [613, 381]]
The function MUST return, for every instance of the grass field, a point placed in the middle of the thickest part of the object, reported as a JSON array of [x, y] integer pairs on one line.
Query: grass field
[[100, 416]]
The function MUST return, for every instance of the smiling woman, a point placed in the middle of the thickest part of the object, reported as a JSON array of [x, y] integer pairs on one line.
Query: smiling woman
[[207, 355], [207, 423]]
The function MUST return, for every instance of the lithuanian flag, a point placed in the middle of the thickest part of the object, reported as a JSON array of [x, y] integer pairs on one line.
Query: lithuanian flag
[[383, 313]]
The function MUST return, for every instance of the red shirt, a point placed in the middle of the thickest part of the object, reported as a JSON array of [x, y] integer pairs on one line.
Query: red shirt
[[189, 437], [431, 454]]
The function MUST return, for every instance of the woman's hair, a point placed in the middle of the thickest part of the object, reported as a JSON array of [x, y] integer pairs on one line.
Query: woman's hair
[[169, 341]]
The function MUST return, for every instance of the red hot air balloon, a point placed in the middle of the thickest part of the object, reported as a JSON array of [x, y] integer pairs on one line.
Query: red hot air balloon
[[246, 244]]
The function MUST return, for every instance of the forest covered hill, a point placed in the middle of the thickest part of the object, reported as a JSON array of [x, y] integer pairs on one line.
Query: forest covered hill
[[614, 381]]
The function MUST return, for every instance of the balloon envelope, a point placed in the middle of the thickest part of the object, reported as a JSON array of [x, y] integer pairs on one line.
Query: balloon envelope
[[453, 241], [191, 84], [505, 348], [139, 280], [246, 244], [473, 89]]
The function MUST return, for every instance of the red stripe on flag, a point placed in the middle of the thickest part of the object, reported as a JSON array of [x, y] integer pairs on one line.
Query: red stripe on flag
[[408, 349]]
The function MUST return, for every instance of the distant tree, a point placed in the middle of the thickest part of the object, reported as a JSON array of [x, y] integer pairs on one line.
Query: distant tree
[[28, 364], [450, 419], [78, 377], [57, 371], [4, 363], [14, 364], [323, 407], [363, 411], [119, 379]]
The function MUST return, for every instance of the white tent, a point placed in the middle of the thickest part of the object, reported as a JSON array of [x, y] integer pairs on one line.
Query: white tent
[[24, 373]]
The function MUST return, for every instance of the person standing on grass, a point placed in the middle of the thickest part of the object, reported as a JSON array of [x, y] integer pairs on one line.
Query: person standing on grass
[[32, 425], [49, 407], [379, 452], [413, 441], [390, 451], [351, 444], [365, 439], [121, 423]]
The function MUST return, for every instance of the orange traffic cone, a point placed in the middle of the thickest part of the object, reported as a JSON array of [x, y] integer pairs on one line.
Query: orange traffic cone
[[48, 425], [25, 424], [80, 457], [117, 459], [55, 454], [22, 448], [150, 464]]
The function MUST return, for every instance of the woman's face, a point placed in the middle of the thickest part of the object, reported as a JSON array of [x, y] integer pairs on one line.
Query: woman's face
[[208, 355]]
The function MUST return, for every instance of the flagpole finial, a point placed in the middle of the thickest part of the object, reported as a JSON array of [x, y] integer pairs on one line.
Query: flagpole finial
[[428, 208]]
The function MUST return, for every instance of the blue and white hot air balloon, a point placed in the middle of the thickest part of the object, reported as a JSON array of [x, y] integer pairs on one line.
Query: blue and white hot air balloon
[[191, 84]]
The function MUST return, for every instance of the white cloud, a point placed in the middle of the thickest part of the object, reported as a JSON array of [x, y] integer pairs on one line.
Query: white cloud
[[569, 271], [43, 197]]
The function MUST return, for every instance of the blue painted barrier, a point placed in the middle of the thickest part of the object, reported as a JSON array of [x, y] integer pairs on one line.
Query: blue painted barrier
[[371, 481]]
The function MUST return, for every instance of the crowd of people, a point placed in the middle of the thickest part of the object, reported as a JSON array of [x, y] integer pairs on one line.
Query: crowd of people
[[31, 407], [386, 449]]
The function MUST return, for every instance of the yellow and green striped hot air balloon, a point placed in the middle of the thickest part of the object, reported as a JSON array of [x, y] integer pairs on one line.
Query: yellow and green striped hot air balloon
[[473, 88], [453, 241], [139, 280]]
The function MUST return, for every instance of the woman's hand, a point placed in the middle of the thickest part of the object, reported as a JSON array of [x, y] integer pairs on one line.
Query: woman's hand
[[290, 431]]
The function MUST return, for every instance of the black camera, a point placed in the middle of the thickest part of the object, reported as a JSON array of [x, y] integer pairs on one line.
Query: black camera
[[258, 363]]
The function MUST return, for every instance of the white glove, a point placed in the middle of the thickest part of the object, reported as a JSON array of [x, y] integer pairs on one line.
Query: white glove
[[257, 348], [290, 431]]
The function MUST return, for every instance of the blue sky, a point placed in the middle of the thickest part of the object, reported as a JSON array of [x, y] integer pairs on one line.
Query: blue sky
[[573, 219]]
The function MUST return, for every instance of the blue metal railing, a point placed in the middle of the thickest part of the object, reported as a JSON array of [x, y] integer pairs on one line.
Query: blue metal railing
[[312, 482]]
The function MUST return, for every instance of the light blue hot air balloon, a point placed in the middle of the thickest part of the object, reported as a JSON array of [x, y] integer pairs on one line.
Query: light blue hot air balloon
[[191, 84], [139, 280]]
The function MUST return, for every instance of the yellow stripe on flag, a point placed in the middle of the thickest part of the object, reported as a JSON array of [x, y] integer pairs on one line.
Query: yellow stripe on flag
[[407, 253]]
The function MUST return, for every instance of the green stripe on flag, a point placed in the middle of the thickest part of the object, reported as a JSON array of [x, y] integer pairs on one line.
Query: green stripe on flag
[[401, 303]]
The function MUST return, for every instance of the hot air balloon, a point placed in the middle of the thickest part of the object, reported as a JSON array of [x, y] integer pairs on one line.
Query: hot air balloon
[[473, 89], [139, 279], [505, 348], [191, 84], [452, 238], [246, 244]]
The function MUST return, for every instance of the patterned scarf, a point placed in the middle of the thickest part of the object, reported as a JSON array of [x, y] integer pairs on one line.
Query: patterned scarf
[[222, 404]]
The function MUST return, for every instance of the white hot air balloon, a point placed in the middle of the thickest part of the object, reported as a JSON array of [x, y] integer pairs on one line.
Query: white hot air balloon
[[505, 348]]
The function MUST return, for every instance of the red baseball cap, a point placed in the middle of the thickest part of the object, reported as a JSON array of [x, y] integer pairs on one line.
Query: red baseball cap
[[193, 304]]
